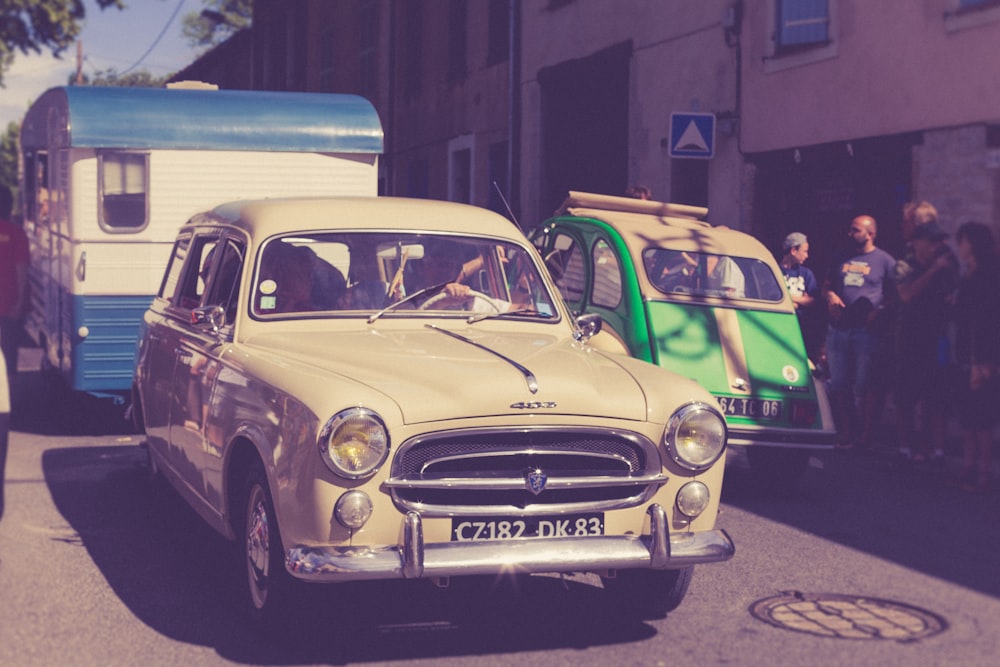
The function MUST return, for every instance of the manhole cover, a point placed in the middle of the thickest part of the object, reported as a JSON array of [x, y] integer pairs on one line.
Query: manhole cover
[[848, 616]]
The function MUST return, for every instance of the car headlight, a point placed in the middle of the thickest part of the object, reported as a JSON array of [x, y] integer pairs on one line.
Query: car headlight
[[693, 499], [695, 436], [354, 443]]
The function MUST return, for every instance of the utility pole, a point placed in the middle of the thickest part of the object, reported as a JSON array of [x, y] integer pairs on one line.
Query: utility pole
[[79, 62]]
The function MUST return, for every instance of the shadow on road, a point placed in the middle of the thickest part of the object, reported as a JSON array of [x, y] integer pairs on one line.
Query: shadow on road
[[184, 581], [893, 510], [41, 407]]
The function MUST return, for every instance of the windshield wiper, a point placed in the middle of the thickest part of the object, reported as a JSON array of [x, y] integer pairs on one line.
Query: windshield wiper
[[416, 295], [521, 311]]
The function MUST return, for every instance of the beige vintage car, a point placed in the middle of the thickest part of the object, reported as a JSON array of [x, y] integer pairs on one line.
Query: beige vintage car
[[379, 388]]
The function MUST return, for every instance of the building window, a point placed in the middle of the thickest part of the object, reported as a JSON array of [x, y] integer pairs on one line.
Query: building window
[[499, 27], [457, 36], [367, 60], [802, 24], [123, 205]]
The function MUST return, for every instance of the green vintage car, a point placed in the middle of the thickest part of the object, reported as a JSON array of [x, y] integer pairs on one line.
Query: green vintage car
[[706, 302]]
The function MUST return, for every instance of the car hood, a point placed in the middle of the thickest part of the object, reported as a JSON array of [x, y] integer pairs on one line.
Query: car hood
[[434, 376]]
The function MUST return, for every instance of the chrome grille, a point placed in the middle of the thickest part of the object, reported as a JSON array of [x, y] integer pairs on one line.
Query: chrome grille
[[482, 472]]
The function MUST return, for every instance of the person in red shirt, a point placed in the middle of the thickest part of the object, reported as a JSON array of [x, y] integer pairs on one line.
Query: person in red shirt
[[14, 259]]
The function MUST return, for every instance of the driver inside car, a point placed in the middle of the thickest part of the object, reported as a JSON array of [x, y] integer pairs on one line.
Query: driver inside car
[[442, 263]]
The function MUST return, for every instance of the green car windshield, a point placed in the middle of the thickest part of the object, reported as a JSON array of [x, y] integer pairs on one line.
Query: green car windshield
[[710, 275]]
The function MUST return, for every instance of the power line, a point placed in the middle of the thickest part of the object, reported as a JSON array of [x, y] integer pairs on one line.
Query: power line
[[152, 46]]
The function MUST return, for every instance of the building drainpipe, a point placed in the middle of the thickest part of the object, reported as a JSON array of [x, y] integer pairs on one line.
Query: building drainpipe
[[514, 110], [389, 132]]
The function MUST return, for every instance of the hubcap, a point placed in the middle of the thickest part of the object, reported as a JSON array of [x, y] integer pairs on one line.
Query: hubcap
[[257, 548]]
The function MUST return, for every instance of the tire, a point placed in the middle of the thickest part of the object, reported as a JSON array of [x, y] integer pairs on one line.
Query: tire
[[269, 587], [649, 593], [777, 467]]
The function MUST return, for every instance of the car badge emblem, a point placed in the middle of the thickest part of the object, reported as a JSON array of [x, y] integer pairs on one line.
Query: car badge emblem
[[535, 480], [790, 373], [532, 405]]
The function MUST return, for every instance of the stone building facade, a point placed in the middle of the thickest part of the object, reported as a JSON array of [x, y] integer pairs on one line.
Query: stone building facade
[[823, 108]]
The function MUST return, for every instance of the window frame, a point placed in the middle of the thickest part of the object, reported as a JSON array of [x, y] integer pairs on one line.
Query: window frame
[[778, 59], [102, 196], [782, 28]]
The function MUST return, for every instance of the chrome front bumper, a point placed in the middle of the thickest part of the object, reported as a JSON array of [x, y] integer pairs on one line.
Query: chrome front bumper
[[413, 559]]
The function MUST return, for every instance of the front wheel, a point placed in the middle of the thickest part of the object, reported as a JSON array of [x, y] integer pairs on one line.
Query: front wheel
[[269, 586], [649, 593]]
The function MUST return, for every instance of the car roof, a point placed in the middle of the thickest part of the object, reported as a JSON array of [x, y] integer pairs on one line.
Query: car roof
[[267, 217], [646, 223]]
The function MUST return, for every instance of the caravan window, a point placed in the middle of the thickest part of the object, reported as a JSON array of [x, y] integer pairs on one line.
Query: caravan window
[[36, 187], [124, 191]]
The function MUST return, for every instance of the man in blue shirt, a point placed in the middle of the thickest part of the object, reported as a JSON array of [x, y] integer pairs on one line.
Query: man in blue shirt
[[856, 292], [802, 287]]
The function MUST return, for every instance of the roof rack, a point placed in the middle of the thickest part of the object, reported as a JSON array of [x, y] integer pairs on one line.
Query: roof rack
[[592, 200]]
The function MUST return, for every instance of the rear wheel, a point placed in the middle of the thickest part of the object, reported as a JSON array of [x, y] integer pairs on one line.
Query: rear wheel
[[649, 593], [269, 586]]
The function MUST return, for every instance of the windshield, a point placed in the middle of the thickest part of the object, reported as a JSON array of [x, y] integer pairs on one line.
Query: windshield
[[382, 274], [704, 274]]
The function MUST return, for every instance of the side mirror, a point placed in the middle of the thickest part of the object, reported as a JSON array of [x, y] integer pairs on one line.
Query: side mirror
[[210, 318], [588, 326]]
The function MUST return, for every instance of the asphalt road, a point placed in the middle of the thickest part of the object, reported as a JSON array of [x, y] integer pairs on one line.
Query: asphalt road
[[100, 566]]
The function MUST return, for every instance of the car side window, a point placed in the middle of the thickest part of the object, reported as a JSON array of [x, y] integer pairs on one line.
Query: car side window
[[607, 288], [173, 272], [197, 269], [565, 264], [224, 287]]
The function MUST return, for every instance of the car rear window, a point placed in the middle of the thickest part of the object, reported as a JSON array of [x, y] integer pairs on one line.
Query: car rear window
[[705, 274]]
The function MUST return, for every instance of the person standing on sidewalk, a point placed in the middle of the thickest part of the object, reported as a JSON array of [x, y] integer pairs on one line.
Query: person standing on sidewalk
[[925, 282], [14, 259], [857, 293], [977, 317], [802, 287]]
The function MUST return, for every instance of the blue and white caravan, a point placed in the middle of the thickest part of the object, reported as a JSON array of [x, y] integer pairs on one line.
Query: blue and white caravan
[[109, 174]]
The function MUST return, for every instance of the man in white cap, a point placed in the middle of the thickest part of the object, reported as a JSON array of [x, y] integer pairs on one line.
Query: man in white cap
[[802, 286]]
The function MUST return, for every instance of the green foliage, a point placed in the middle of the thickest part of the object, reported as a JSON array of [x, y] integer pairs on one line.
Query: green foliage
[[8, 156], [220, 20], [30, 27], [135, 79]]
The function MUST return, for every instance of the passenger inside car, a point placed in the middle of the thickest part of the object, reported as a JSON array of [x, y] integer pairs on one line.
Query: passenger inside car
[[286, 279], [366, 289]]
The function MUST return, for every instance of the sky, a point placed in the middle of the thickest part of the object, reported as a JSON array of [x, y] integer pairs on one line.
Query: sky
[[111, 38]]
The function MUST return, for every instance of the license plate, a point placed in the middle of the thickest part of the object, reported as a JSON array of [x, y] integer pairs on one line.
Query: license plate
[[473, 529], [754, 408]]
